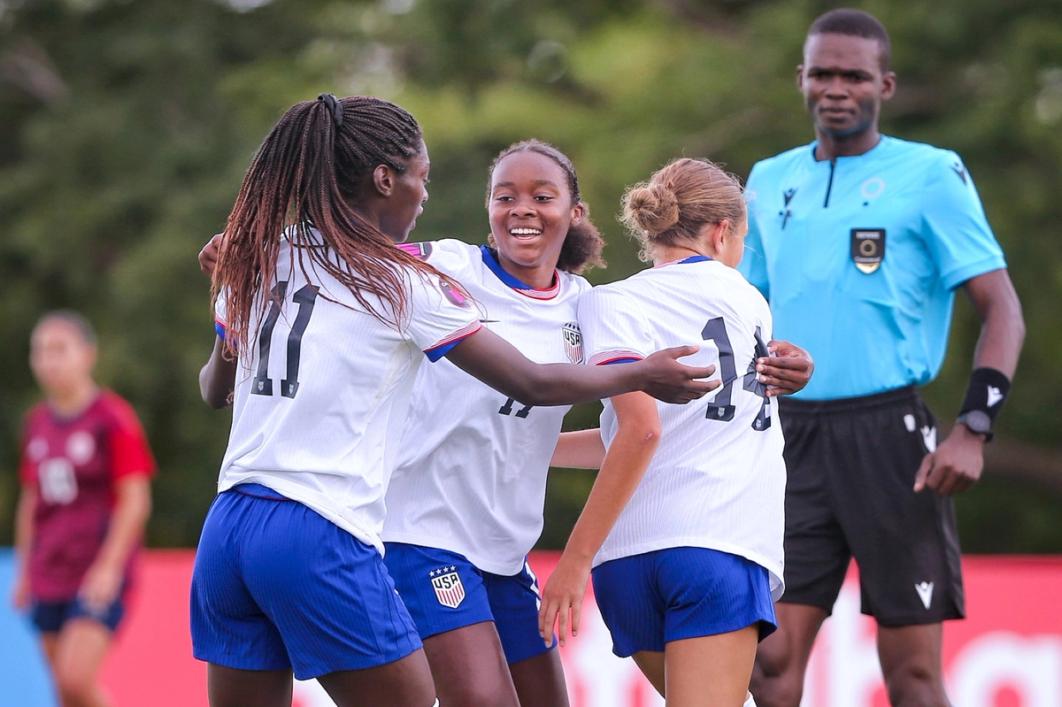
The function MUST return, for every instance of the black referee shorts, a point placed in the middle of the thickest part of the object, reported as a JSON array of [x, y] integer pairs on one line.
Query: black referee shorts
[[851, 468]]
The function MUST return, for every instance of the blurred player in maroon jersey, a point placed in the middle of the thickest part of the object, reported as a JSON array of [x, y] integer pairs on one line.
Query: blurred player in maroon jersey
[[85, 499]]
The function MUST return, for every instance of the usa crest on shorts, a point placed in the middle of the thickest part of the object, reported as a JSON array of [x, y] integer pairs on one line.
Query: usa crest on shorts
[[573, 341], [447, 585]]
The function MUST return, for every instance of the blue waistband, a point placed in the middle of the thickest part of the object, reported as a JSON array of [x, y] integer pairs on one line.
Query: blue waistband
[[259, 491]]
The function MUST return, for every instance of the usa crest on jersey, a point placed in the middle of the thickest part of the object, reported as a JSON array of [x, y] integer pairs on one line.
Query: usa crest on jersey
[[447, 585], [573, 341]]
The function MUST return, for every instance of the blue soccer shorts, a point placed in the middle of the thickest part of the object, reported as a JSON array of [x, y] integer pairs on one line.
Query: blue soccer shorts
[[444, 591], [51, 616], [276, 586], [667, 595]]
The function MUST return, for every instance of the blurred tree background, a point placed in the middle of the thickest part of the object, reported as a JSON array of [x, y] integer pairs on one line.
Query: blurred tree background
[[127, 125]]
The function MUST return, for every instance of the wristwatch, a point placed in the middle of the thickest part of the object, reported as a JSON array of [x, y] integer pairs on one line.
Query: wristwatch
[[978, 422]]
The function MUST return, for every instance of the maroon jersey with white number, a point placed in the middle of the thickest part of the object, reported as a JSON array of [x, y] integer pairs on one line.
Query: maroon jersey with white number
[[74, 464]]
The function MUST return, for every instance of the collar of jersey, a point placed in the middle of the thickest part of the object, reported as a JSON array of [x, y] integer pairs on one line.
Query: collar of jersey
[[515, 283], [692, 259], [869, 153], [63, 420]]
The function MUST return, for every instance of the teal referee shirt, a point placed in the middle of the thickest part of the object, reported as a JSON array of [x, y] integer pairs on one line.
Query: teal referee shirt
[[859, 258]]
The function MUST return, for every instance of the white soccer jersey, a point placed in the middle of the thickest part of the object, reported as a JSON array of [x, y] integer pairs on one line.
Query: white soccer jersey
[[323, 391], [717, 479], [471, 474]]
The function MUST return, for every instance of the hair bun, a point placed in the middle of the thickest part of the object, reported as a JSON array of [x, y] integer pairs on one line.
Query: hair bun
[[653, 208]]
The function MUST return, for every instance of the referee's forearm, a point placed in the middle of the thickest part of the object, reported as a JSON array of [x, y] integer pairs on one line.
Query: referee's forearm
[[1003, 327], [1002, 336]]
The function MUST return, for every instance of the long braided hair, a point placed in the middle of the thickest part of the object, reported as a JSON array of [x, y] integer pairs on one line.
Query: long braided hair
[[307, 175]]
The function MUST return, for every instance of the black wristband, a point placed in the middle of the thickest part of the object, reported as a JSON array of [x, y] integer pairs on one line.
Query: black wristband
[[987, 390]]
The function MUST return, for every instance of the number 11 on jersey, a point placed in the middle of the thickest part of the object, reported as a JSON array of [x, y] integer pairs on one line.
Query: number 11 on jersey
[[305, 297]]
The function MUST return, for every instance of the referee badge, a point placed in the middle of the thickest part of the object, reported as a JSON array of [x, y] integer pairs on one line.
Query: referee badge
[[868, 248], [573, 341], [447, 585]]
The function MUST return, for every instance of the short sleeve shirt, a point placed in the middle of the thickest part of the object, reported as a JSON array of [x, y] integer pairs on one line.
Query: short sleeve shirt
[[322, 393], [471, 475], [860, 256], [717, 478], [74, 465]]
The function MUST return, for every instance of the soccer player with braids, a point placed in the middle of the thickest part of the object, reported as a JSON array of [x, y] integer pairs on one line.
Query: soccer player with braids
[[328, 321], [683, 526]]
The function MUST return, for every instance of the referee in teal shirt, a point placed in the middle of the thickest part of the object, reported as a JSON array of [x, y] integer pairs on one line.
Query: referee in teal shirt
[[859, 241]]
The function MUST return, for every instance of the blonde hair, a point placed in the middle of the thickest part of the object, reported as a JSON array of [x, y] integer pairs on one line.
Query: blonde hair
[[678, 201]]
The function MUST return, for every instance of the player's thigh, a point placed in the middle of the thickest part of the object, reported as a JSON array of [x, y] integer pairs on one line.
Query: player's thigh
[[447, 598], [469, 667], [540, 680], [651, 663], [710, 670], [50, 647], [782, 658], [787, 650], [911, 659], [231, 687], [405, 682], [82, 645], [535, 667]]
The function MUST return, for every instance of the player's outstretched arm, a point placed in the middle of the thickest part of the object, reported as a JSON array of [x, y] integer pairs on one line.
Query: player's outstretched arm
[[582, 449], [217, 378], [958, 461], [500, 365], [628, 457]]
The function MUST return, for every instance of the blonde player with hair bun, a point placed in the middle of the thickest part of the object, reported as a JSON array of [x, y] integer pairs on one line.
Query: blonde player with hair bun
[[683, 527]]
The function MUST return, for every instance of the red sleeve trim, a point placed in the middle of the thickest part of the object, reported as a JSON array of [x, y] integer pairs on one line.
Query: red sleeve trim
[[606, 357]]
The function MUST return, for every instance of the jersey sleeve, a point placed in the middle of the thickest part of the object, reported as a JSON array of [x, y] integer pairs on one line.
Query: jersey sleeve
[[130, 454], [754, 263], [956, 230], [449, 255], [440, 316], [613, 327], [221, 322]]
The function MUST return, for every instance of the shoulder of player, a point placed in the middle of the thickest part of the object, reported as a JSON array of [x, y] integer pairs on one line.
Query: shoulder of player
[[442, 252], [117, 410], [923, 153], [574, 283], [34, 416], [608, 296]]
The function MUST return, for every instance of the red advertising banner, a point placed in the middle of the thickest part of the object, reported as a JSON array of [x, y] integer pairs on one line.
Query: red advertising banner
[[1007, 654]]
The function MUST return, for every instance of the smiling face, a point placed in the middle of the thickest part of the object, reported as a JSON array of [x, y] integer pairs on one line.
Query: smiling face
[[530, 210], [844, 84], [407, 196]]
